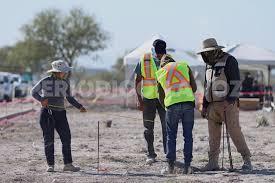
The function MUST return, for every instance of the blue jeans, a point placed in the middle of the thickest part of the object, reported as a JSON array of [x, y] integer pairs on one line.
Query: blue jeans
[[183, 112]]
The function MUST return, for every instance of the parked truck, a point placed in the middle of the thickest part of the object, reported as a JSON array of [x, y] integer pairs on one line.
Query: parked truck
[[7, 86]]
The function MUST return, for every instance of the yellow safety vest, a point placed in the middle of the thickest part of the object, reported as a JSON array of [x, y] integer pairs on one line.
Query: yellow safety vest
[[175, 80], [148, 72]]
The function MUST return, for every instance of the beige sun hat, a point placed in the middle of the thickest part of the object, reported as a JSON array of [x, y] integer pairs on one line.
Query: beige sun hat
[[60, 66], [209, 45]]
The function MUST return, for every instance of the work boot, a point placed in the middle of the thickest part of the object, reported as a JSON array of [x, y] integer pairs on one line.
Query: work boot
[[169, 169], [247, 166], [188, 170], [50, 168], [212, 165], [150, 160], [70, 167]]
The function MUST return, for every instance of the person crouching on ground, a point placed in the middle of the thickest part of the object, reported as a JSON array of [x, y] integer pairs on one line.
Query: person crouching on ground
[[50, 92], [176, 91]]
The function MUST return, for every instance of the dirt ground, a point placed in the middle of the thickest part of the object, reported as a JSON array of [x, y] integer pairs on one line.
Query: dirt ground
[[12, 107], [122, 151]]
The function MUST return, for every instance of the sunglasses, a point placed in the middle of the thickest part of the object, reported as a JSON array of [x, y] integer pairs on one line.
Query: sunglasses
[[207, 53]]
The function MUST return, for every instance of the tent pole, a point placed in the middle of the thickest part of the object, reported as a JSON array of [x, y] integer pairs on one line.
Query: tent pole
[[269, 72]]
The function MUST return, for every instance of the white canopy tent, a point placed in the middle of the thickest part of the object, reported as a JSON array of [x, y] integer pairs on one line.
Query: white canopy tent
[[254, 58], [131, 59]]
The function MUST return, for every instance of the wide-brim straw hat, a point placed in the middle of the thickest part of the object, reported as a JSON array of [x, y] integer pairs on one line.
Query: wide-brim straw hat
[[60, 66], [210, 45]]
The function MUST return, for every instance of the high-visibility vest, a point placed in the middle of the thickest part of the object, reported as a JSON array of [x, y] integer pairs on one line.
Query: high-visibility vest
[[148, 72], [175, 81]]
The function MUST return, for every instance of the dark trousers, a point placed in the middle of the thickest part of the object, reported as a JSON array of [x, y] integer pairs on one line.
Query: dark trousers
[[151, 106], [183, 112], [57, 120]]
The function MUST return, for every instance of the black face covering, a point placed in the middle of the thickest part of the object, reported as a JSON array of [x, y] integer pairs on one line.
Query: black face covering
[[205, 58], [211, 56]]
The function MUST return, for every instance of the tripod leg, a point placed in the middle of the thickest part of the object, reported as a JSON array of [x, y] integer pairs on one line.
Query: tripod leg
[[222, 145], [98, 146], [228, 143]]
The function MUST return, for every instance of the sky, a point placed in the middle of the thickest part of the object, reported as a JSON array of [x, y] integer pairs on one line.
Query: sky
[[184, 23]]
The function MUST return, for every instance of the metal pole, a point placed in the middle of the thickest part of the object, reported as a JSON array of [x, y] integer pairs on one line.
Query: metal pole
[[269, 73], [222, 145], [228, 143], [6, 111], [21, 108], [98, 146]]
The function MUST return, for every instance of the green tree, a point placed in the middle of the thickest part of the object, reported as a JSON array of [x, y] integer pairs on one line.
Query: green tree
[[30, 53], [65, 36], [117, 73], [119, 70], [5, 63], [4, 52]]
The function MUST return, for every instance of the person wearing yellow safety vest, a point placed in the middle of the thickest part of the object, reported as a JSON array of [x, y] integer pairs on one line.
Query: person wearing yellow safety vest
[[147, 96], [176, 87]]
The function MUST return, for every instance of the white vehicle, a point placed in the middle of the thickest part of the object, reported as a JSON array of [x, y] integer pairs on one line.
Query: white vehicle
[[7, 86], [20, 86]]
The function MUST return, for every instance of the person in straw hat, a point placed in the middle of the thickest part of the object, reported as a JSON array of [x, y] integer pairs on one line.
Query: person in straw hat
[[50, 92], [220, 103]]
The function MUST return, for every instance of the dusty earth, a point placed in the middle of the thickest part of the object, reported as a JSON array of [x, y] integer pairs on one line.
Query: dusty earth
[[122, 152], [14, 107]]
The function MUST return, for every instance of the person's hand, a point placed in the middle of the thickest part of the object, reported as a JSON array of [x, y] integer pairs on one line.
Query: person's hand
[[44, 103], [226, 104], [82, 109], [204, 112], [140, 104]]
